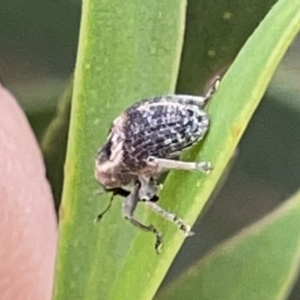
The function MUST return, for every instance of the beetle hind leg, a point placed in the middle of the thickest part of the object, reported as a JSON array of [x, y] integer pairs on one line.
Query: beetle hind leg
[[168, 164], [170, 217]]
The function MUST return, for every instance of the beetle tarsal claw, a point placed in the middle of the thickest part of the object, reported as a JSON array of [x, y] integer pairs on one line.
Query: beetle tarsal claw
[[187, 231], [204, 166]]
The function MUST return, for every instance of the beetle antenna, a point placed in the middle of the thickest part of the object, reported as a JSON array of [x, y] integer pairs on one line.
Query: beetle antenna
[[100, 216]]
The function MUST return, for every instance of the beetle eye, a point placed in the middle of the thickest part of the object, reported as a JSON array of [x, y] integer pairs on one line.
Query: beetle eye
[[104, 153]]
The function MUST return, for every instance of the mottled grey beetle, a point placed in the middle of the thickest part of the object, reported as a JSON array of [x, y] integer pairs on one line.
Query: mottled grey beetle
[[145, 141]]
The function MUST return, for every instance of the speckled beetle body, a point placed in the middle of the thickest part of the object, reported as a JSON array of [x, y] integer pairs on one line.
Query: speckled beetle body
[[146, 140], [160, 127]]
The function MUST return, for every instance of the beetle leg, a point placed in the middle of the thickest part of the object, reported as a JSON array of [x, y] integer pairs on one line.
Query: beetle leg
[[170, 217], [149, 189], [168, 164], [213, 87], [129, 206], [99, 217]]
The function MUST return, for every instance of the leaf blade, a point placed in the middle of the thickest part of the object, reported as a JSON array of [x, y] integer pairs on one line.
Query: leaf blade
[[127, 51]]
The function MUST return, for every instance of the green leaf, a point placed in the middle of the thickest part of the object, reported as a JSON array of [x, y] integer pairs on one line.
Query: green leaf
[[262, 262], [127, 51], [231, 109], [233, 105]]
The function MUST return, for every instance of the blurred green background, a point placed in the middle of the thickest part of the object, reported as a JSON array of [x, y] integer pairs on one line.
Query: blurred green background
[[38, 41]]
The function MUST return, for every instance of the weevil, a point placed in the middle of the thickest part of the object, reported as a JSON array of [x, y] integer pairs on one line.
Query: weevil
[[145, 141]]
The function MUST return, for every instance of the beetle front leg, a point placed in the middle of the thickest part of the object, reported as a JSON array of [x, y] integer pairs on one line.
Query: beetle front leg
[[129, 206]]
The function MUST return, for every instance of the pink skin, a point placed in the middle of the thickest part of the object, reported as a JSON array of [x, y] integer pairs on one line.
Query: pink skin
[[28, 227]]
